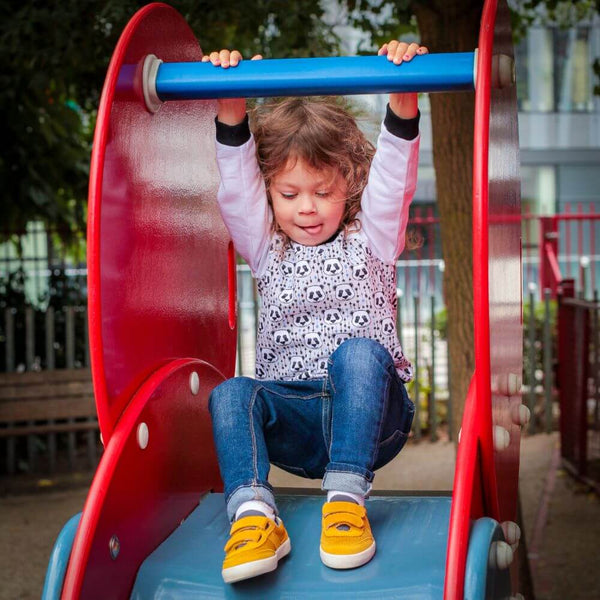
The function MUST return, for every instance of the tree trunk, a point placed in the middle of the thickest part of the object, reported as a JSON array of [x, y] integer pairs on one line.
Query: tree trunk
[[453, 26]]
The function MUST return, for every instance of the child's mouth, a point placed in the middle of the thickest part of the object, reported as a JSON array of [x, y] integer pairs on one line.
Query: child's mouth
[[313, 229]]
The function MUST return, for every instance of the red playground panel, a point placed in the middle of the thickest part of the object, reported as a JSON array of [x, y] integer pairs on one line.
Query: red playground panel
[[157, 247], [163, 333]]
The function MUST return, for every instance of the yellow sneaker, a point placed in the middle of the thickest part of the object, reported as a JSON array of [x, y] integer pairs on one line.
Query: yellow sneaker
[[254, 547], [346, 538]]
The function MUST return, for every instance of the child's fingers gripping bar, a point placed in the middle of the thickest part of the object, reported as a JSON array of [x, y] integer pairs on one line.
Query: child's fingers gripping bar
[[343, 75]]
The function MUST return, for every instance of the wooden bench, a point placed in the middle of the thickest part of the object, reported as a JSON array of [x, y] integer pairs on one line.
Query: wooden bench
[[47, 403]]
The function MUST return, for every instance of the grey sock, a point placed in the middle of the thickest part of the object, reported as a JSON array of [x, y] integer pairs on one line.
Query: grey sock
[[251, 513], [342, 498]]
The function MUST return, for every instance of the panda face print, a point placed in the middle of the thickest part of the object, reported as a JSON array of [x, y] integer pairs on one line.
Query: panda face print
[[360, 318], [315, 293], [312, 340], [359, 272], [322, 364], [266, 279], [332, 266], [387, 326], [268, 355], [302, 319], [286, 296], [344, 291], [275, 313], [286, 267], [379, 300], [340, 338], [304, 375], [260, 372], [297, 363], [282, 337], [302, 268], [332, 316]]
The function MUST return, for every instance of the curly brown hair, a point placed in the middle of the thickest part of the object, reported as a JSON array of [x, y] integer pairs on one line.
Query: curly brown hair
[[321, 133]]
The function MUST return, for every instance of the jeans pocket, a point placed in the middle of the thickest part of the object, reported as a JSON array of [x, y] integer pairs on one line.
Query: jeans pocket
[[293, 470]]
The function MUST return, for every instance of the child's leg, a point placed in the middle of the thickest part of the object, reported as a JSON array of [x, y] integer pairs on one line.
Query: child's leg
[[237, 413], [371, 414], [254, 421], [257, 422], [370, 421]]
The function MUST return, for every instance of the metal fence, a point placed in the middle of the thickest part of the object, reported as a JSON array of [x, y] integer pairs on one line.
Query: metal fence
[[37, 339]]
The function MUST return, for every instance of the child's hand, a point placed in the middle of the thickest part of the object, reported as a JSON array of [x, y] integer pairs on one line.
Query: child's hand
[[231, 111], [404, 106]]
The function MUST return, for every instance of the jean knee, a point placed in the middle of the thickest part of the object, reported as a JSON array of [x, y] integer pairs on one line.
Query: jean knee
[[230, 396], [360, 353]]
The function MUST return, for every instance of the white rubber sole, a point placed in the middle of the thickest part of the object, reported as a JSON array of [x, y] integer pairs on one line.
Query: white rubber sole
[[256, 567], [347, 561]]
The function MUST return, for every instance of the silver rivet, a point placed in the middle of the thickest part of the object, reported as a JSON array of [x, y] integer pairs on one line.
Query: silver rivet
[[512, 533], [194, 383], [114, 546], [520, 415], [501, 555], [501, 438], [142, 435], [514, 384]]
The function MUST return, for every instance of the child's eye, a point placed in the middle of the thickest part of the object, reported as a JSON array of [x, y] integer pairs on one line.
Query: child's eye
[[288, 195], [323, 194]]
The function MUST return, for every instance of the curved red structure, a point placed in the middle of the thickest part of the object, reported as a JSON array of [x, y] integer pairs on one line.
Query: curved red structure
[[162, 312], [486, 477], [157, 247]]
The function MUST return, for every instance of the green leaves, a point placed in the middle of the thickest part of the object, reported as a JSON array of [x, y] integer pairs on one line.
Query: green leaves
[[55, 56]]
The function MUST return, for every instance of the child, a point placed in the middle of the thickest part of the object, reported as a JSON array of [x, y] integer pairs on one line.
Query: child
[[329, 399]]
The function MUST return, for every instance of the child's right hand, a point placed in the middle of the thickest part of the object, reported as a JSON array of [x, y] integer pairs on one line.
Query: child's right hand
[[231, 111]]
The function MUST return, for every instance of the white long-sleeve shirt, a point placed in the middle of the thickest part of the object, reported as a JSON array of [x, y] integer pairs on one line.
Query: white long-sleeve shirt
[[315, 297]]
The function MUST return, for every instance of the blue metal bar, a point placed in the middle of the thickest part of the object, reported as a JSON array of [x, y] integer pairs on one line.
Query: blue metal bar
[[342, 75]]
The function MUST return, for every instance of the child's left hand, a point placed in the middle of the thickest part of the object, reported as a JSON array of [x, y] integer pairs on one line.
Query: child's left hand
[[404, 105]]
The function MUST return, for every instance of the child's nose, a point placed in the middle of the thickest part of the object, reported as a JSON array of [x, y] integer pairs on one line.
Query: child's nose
[[307, 204]]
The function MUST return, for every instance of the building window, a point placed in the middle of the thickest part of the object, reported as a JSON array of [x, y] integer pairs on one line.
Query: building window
[[555, 69]]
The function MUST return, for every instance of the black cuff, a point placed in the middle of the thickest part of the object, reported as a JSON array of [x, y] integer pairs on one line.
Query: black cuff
[[233, 135], [407, 129]]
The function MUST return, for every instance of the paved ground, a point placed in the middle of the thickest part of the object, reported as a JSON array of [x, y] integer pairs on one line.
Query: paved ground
[[562, 520]]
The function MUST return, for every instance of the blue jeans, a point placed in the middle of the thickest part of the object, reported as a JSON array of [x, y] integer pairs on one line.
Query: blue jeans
[[340, 428]]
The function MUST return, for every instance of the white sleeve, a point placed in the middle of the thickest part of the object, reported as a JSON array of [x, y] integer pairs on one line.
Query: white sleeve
[[242, 199], [388, 194]]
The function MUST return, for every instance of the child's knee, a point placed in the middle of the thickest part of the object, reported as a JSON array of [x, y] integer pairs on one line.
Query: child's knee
[[359, 353], [230, 395]]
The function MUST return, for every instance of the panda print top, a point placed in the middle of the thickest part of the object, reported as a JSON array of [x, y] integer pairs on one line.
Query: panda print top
[[315, 297]]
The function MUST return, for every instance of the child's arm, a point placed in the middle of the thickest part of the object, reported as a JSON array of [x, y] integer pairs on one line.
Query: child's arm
[[393, 175], [231, 111], [242, 196], [404, 105]]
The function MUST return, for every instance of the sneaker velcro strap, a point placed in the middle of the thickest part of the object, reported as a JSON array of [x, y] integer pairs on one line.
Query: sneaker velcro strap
[[343, 513], [243, 537], [341, 518], [247, 530], [346, 507], [252, 522]]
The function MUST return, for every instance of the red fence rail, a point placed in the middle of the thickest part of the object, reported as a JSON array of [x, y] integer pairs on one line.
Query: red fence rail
[[562, 245]]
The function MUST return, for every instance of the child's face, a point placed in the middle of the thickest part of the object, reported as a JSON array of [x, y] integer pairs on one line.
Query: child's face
[[308, 204]]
